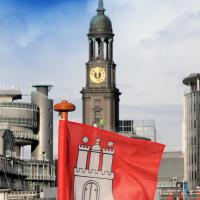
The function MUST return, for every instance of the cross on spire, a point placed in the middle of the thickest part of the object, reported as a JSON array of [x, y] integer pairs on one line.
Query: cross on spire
[[100, 8]]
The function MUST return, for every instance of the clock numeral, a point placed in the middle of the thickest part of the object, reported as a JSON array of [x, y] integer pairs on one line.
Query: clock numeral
[[97, 75]]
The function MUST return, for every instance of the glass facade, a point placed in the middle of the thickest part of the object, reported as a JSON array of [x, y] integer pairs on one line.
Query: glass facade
[[141, 128]]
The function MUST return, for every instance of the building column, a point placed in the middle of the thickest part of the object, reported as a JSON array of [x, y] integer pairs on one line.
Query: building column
[[43, 171], [90, 49], [190, 87], [17, 149], [37, 167], [110, 49], [31, 173], [102, 48], [197, 84], [107, 54], [94, 48]]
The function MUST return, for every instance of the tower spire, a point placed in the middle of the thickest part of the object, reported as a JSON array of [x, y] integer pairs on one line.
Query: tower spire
[[100, 8]]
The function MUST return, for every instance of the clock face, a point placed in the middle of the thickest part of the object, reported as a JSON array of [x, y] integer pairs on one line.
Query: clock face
[[97, 75]]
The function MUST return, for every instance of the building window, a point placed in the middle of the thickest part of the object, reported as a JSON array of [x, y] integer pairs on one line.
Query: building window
[[97, 117]]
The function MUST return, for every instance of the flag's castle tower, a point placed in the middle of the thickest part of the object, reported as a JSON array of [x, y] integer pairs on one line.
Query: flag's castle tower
[[100, 96], [93, 178]]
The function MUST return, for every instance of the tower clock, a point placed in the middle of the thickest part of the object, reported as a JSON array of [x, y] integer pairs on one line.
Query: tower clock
[[100, 96]]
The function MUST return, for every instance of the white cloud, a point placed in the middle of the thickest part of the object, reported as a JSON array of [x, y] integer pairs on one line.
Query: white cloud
[[156, 45]]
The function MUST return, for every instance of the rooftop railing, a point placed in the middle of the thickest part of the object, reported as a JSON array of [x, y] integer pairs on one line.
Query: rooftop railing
[[20, 105], [24, 135]]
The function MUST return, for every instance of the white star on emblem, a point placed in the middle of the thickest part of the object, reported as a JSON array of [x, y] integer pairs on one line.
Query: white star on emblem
[[85, 140], [110, 144]]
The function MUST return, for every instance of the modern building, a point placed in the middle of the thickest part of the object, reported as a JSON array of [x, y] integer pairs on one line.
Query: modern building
[[23, 124], [12, 170], [100, 96], [191, 127], [20, 118], [138, 128], [170, 176], [171, 170]]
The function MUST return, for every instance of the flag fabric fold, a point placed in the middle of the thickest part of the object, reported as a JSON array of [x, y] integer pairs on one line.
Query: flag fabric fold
[[104, 165]]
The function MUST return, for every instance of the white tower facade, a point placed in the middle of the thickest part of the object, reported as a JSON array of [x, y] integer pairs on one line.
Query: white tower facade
[[94, 183]]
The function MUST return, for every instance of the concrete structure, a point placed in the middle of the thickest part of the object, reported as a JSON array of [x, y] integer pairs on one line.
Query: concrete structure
[[171, 170], [7, 143], [12, 170], [4, 194], [49, 193], [19, 117], [44, 149], [23, 124], [100, 96], [41, 174], [138, 128], [171, 175], [13, 173], [16, 195], [191, 127]]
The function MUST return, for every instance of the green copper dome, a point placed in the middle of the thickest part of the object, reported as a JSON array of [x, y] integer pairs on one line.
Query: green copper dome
[[100, 24]]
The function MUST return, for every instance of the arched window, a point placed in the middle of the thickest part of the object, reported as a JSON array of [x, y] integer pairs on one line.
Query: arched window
[[91, 191]]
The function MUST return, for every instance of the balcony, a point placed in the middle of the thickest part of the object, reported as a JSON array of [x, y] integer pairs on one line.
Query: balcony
[[12, 166]]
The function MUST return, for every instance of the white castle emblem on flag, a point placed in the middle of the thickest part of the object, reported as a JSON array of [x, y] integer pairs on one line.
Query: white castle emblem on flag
[[93, 176]]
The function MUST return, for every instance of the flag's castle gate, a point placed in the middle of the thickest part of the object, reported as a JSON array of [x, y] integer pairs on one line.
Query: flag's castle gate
[[93, 175]]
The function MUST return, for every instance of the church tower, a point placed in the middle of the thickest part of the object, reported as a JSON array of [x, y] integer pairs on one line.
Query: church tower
[[100, 96]]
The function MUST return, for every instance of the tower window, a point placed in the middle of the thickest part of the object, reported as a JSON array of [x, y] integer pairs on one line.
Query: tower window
[[97, 117]]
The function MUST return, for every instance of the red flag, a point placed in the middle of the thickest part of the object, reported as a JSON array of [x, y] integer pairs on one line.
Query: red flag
[[103, 165]]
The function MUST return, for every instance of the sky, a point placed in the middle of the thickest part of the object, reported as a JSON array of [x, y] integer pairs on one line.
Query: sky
[[156, 45]]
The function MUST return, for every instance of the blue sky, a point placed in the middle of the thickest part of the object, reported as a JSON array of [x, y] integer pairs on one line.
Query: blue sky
[[157, 44]]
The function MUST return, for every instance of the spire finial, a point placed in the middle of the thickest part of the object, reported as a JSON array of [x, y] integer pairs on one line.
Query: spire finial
[[100, 8]]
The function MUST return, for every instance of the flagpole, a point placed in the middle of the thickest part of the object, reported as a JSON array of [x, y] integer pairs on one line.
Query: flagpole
[[63, 189]]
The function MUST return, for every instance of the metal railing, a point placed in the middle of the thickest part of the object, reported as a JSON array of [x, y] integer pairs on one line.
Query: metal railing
[[20, 121], [11, 166], [20, 105], [40, 177], [22, 195], [24, 135]]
